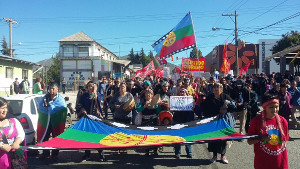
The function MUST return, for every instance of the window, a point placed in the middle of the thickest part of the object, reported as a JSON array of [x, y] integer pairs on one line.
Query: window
[[15, 107], [32, 107], [68, 51], [9, 72], [83, 51], [24, 73]]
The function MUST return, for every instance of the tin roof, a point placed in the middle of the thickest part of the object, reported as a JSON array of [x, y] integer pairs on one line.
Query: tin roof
[[78, 37], [4, 57]]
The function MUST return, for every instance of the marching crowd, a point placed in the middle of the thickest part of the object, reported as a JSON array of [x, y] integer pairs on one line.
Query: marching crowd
[[146, 102]]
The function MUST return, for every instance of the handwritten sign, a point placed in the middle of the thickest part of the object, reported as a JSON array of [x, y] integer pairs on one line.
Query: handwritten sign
[[181, 103]]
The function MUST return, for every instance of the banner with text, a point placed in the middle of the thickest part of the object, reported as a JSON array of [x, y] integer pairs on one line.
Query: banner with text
[[188, 64], [181, 103]]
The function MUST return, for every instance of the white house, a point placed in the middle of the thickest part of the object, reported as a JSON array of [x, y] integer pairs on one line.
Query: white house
[[82, 58]]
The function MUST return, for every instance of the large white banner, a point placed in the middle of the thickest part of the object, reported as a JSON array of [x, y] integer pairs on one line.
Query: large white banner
[[181, 103]]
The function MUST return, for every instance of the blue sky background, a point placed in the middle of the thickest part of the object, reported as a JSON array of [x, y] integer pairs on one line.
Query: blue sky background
[[139, 23]]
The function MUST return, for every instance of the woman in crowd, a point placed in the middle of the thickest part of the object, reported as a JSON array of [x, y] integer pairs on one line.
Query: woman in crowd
[[212, 107], [270, 148], [117, 103], [37, 88], [200, 93], [180, 117], [149, 114], [13, 132], [90, 105]]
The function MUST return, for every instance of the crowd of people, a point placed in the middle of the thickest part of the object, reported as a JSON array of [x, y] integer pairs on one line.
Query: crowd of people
[[237, 97], [146, 102]]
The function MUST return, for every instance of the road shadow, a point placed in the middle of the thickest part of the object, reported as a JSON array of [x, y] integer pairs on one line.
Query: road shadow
[[72, 159]]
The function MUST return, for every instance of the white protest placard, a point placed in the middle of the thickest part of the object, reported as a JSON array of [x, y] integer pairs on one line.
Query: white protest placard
[[181, 103]]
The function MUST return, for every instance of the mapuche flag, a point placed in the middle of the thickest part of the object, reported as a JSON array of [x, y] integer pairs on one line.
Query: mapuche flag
[[180, 38], [52, 117], [225, 68]]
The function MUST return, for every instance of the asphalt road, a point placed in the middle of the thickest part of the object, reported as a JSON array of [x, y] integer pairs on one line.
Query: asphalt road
[[240, 156]]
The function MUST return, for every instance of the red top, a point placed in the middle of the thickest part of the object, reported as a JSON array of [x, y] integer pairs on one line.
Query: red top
[[272, 154]]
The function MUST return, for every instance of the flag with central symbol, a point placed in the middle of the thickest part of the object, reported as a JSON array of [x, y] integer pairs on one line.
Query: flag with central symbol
[[180, 38]]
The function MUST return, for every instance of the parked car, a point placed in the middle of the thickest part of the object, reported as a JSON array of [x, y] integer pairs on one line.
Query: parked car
[[25, 108]]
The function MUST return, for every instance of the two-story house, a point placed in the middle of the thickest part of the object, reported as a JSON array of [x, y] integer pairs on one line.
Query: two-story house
[[82, 57]]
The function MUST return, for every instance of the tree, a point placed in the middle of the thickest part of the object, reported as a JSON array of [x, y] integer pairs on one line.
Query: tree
[[289, 39], [193, 53], [151, 57], [54, 70], [5, 50]]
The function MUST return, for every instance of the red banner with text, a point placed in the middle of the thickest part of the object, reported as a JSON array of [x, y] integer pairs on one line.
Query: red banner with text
[[189, 64]]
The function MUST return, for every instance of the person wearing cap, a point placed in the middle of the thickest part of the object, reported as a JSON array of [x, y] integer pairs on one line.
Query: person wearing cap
[[241, 95], [180, 117], [211, 108], [90, 105]]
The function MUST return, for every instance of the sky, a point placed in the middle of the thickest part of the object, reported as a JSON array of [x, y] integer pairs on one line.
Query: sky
[[121, 25]]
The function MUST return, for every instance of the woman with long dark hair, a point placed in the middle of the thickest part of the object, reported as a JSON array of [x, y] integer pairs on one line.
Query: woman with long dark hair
[[12, 131]]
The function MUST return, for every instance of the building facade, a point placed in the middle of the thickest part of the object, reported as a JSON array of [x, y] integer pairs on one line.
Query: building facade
[[82, 58], [11, 68]]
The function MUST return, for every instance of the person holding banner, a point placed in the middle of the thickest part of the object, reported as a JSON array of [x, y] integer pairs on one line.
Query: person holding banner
[[180, 117], [212, 107], [149, 111]]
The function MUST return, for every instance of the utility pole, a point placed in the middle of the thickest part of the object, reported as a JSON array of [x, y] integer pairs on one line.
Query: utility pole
[[236, 40], [10, 21]]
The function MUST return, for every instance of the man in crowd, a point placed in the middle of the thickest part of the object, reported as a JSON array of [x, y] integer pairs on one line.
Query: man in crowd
[[53, 104]]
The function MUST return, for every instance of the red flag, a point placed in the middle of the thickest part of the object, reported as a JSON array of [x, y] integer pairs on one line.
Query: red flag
[[145, 71], [244, 69], [177, 70], [159, 73], [226, 64]]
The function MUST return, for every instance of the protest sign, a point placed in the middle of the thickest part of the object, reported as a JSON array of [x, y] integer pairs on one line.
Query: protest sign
[[181, 103]]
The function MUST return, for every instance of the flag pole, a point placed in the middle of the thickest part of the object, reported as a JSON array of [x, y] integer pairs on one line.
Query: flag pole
[[195, 42]]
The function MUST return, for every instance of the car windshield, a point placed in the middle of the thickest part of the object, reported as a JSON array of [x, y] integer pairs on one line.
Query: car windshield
[[15, 107]]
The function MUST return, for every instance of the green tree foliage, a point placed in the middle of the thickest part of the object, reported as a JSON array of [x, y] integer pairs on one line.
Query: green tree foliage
[[151, 57], [54, 70], [289, 39], [5, 50], [193, 53]]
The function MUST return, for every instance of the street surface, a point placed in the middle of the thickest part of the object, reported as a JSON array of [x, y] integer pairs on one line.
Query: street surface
[[240, 156]]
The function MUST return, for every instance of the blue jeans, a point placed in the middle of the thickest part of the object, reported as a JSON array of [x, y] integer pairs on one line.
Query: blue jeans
[[63, 88], [188, 149]]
